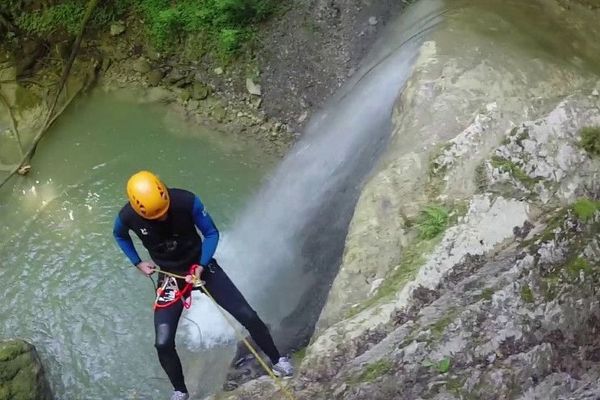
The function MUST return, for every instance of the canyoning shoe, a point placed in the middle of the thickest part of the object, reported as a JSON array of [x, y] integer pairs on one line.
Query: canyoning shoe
[[177, 395], [283, 368]]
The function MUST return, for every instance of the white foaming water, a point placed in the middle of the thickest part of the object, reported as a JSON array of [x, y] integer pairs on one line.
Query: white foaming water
[[284, 251], [204, 326]]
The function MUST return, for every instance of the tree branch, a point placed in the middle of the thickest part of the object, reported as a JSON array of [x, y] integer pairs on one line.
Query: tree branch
[[51, 114]]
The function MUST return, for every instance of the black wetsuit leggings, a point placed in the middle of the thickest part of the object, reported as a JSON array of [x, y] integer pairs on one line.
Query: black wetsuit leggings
[[229, 298]]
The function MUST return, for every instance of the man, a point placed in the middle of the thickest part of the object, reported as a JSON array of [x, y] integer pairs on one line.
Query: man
[[167, 222]]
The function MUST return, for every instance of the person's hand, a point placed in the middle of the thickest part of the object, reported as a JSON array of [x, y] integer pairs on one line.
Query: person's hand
[[195, 278], [146, 267]]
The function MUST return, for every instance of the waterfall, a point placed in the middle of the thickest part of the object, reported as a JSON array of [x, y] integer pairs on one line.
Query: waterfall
[[286, 247]]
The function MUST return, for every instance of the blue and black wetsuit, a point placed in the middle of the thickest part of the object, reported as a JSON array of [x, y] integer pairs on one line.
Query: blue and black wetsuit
[[174, 244]]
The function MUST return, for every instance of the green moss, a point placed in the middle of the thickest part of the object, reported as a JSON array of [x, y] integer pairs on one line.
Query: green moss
[[438, 327], [374, 370], [487, 293], [65, 16], [527, 294], [18, 371], [481, 178], [298, 356], [11, 349], [24, 384], [585, 208], [4, 392], [455, 386], [412, 259], [514, 170], [590, 140]]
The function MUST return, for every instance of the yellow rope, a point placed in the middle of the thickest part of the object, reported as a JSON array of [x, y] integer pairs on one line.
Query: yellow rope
[[269, 371]]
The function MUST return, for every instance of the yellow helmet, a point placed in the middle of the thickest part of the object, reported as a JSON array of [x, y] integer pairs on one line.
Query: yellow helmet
[[148, 195]]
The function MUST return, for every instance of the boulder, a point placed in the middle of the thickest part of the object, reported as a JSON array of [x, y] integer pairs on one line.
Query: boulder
[[253, 88], [142, 66], [21, 373], [154, 77], [117, 28], [200, 91]]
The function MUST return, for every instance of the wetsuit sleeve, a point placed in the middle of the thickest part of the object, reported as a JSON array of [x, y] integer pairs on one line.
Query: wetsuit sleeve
[[121, 234], [208, 229]]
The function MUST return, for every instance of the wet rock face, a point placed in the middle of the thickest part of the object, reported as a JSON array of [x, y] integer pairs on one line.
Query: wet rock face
[[543, 159], [502, 304], [515, 324], [21, 374]]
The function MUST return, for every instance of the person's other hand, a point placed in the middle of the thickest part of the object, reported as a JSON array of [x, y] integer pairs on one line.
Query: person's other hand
[[146, 267], [196, 277]]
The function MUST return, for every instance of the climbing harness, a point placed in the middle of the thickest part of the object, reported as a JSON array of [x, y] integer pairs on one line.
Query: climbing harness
[[169, 293], [197, 283]]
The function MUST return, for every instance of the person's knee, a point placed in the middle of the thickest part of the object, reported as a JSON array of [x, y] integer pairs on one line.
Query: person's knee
[[249, 318], [165, 339]]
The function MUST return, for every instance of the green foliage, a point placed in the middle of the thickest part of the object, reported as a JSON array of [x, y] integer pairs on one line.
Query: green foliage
[[224, 24], [227, 22], [229, 40], [590, 140], [575, 266], [62, 17], [585, 208], [375, 370], [442, 366], [432, 221], [481, 178]]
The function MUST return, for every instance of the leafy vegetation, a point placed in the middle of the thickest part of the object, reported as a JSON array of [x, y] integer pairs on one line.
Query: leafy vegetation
[[60, 17], [442, 366], [432, 221], [590, 140], [576, 265], [585, 208], [223, 24]]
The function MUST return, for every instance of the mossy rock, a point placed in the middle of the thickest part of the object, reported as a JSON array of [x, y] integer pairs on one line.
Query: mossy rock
[[21, 373]]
